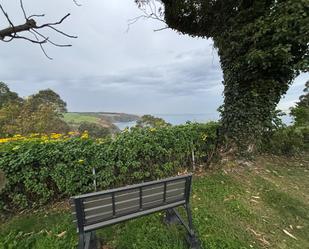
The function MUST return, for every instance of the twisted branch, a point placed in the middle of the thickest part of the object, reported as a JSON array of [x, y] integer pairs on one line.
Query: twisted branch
[[149, 10], [30, 26]]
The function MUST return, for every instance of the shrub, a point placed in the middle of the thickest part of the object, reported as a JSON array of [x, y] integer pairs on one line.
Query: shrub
[[305, 133], [39, 170], [287, 141], [95, 130]]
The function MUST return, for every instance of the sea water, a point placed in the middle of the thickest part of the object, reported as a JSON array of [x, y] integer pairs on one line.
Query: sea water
[[176, 119]]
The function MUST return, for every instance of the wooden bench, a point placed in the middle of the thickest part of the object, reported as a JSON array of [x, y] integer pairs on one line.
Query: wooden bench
[[100, 209]]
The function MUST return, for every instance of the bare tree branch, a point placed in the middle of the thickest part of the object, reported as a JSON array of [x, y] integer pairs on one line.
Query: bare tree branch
[[42, 15], [76, 3], [13, 31], [48, 40], [61, 32], [150, 11], [23, 9], [160, 29], [17, 29], [28, 39], [42, 48], [55, 23], [7, 16]]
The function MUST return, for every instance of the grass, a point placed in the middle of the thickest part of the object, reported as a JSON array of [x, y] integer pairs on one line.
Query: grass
[[265, 205], [77, 118]]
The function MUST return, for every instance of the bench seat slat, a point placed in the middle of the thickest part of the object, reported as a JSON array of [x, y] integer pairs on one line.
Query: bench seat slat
[[157, 197], [127, 204], [125, 195], [92, 227], [167, 180], [112, 206], [152, 204], [133, 203], [174, 192], [98, 210], [98, 198], [97, 202], [175, 185], [126, 210], [99, 206], [98, 218]]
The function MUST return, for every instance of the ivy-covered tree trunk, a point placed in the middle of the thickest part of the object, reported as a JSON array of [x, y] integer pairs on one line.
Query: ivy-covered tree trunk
[[263, 46], [249, 100], [244, 113]]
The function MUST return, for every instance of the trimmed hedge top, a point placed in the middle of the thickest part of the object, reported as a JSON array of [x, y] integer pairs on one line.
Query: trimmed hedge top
[[41, 169]]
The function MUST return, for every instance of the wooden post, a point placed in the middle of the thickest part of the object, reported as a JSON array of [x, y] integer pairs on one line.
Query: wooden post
[[193, 159], [94, 179]]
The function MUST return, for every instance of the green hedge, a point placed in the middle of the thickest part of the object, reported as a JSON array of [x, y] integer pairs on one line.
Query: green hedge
[[38, 172], [287, 141]]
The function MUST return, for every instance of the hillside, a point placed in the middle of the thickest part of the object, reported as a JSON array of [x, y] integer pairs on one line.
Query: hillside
[[105, 119], [113, 117], [262, 204]]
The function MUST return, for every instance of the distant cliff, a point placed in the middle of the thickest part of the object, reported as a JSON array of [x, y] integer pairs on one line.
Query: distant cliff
[[115, 117], [105, 119]]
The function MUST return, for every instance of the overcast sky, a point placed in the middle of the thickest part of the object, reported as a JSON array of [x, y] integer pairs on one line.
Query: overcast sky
[[110, 69]]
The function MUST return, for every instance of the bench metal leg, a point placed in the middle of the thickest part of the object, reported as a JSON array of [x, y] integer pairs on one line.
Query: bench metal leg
[[81, 243], [87, 241], [193, 242], [191, 238], [170, 217]]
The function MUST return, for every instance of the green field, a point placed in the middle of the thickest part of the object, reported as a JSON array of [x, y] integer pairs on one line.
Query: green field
[[77, 118], [263, 205]]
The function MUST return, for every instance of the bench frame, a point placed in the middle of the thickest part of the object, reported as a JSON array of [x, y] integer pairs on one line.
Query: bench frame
[[87, 237]]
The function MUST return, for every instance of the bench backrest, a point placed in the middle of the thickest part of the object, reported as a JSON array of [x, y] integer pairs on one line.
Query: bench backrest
[[100, 209]]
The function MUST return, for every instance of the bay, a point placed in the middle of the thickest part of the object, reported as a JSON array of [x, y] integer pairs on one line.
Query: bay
[[176, 119]]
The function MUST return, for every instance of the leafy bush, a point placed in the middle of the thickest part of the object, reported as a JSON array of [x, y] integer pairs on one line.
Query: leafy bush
[[305, 134], [287, 141], [94, 130], [40, 170]]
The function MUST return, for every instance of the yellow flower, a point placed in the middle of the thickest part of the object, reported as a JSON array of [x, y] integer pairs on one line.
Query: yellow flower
[[55, 136], [81, 161], [34, 135], [126, 130], [204, 137], [152, 129], [72, 133], [16, 148], [44, 137], [85, 135], [4, 140]]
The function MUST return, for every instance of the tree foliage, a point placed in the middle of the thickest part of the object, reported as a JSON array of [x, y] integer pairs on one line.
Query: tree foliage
[[263, 46], [40, 113], [47, 97], [7, 96], [94, 130], [151, 121], [301, 111]]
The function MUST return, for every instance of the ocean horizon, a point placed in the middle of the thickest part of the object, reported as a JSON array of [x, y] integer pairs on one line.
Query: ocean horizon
[[176, 119]]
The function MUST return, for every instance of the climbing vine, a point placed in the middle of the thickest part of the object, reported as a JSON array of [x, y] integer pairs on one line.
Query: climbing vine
[[263, 46]]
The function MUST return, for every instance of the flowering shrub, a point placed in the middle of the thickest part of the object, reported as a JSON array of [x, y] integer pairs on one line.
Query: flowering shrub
[[39, 169], [43, 137]]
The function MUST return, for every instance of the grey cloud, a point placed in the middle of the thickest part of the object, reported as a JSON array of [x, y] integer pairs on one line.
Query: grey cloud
[[109, 69], [183, 78]]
